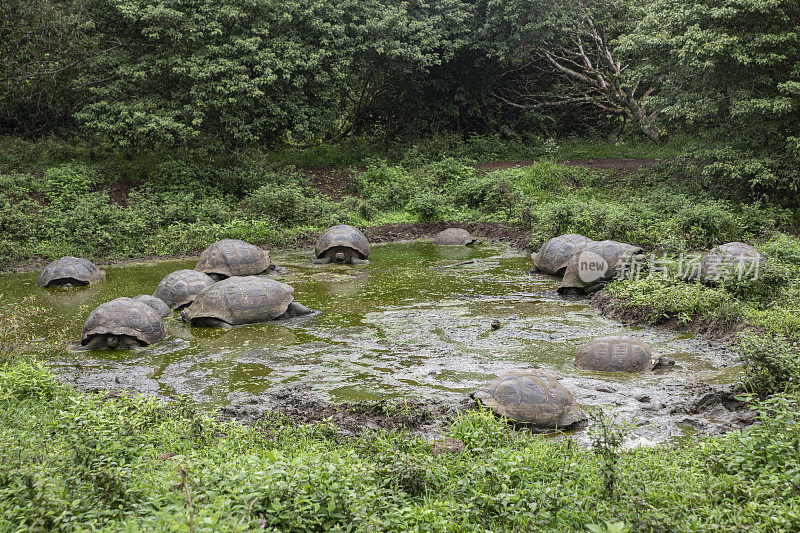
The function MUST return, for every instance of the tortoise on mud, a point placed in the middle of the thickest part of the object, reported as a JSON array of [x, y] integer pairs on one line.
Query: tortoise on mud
[[730, 259], [619, 354], [122, 324], [179, 289], [532, 398], [241, 300], [157, 304], [69, 272], [454, 237], [553, 256], [597, 263], [341, 244], [232, 257]]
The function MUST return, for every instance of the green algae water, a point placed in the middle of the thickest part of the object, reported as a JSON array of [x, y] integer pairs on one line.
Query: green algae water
[[414, 322]]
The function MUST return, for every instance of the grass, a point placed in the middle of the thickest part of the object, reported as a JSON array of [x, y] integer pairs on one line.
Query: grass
[[71, 460]]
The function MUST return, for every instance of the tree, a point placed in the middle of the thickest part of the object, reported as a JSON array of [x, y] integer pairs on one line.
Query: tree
[[732, 65], [577, 43]]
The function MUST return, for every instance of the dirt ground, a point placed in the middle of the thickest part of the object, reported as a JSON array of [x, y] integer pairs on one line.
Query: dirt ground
[[490, 231], [297, 405]]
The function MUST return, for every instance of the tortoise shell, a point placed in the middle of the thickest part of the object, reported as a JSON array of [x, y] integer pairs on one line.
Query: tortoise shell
[[730, 259], [73, 270], [342, 235], [454, 237], [157, 304], [232, 257], [124, 316], [531, 397], [554, 255], [179, 289], [617, 354], [241, 300], [598, 262]]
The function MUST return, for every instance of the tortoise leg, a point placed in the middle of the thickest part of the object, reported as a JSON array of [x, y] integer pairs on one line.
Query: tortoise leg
[[357, 261], [321, 261]]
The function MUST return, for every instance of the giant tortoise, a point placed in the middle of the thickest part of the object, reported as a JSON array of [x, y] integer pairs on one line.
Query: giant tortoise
[[341, 244], [124, 324], [241, 300], [454, 237], [158, 305], [619, 354], [232, 257], [69, 272], [730, 259], [599, 262], [179, 289], [532, 398], [553, 256]]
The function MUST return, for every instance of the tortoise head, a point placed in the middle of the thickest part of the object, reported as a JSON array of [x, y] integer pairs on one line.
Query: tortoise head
[[665, 361], [339, 257]]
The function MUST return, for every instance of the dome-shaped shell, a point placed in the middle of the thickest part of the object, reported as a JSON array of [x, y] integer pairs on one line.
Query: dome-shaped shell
[[242, 300], [157, 304], [179, 289], [599, 261], [531, 397], [342, 235], [617, 354], [73, 270], [554, 255], [730, 259], [454, 237], [124, 316], [232, 257]]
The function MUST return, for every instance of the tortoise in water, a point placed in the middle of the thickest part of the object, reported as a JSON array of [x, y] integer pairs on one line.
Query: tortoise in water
[[179, 289], [157, 304], [454, 237], [554, 255], [619, 354], [341, 244], [242, 300], [124, 324], [533, 398], [598, 262], [69, 272], [232, 257], [733, 258]]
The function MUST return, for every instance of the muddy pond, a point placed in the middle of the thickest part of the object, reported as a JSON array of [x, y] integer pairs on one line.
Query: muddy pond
[[416, 323]]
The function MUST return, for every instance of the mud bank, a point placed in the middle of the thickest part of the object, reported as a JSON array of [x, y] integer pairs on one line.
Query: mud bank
[[711, 329], [656, 414]]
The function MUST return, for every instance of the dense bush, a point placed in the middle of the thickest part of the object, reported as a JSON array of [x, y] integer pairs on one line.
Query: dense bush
[[71, 460]]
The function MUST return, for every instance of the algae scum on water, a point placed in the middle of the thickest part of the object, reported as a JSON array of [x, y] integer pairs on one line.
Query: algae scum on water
[[415, 322]]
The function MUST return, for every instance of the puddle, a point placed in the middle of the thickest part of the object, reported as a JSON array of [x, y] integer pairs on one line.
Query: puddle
[[414, 323]]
